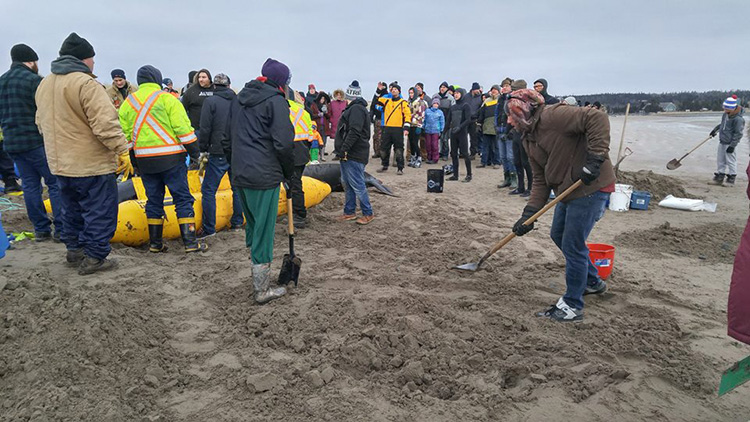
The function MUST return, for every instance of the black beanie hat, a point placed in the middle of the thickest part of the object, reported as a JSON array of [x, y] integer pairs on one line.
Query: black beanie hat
[[77, 47], [395, 84], [475, 85], [118, 73], [23, 53], [149, 74]]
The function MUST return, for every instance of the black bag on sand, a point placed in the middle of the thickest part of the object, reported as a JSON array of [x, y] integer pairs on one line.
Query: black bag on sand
[[435, 180]]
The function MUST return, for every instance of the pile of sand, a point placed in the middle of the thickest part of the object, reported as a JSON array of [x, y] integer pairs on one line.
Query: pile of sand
[[658, 185], [714, 242]]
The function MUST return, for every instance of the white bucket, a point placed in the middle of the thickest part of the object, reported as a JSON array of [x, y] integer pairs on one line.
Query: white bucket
[[619, 200]]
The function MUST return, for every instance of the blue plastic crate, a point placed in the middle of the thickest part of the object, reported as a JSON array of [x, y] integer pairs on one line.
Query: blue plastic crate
[[639, 200]]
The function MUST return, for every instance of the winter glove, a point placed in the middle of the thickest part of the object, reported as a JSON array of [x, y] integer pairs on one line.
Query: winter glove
[[202, 163], [342, 157], [419, 131], [521, 229], [730, 150], [287, 187], [715, 131], [591, 170], [124, 165]]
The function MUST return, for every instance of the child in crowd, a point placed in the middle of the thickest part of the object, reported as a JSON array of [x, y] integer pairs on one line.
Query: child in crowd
[[316, 144], [434, 123]]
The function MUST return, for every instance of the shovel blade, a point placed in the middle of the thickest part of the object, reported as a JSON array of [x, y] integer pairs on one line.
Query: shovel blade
[[290, 268], [675, 163], [472, 266]]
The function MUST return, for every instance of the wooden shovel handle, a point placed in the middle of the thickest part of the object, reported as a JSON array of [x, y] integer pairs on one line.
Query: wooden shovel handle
[[289, 213], [696, 147], [499, 245]]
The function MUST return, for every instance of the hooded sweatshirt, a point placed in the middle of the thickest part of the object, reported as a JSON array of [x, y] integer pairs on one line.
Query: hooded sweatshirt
[[193, 100], [215, 118], [262, 137], [353, 133], [731, 127], [460, 113], [548, 99]]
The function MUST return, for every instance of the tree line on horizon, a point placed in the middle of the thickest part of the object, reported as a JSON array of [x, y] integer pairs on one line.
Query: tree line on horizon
[[650, 102]]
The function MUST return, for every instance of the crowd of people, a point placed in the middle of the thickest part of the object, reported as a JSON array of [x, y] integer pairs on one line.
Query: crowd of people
[[266, 134]]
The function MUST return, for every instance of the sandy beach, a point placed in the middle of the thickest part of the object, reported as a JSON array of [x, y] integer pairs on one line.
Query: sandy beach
[[381, 328]]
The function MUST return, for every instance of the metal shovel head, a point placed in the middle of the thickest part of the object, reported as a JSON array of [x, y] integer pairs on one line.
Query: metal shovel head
[[290, 270], [472, 266], [675, 163]]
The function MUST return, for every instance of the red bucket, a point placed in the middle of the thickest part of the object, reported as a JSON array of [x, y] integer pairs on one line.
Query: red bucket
[[603, 258]]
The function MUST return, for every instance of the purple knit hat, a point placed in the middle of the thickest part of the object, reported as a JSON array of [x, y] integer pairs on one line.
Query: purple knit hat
[[276, 72]]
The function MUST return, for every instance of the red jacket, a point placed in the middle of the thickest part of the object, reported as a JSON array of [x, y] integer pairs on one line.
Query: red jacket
[[738, 310]]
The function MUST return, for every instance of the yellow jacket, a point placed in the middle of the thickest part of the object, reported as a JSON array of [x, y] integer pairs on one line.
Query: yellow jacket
[[396, 112], [155, 122]]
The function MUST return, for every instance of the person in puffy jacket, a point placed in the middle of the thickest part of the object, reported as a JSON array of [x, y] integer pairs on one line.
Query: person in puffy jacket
[[730, 133], [434, 123], [262, 157]]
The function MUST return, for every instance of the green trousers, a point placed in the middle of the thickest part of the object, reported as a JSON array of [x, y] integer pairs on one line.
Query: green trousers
[[260, 208]]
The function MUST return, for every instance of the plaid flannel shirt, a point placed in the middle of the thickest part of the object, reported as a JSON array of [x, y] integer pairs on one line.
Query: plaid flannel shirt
[[18, 109]]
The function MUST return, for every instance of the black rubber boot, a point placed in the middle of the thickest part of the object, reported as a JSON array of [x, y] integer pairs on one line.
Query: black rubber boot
[[506, 180], [730, 180], [718, 178], [187, 231], [155, 235]]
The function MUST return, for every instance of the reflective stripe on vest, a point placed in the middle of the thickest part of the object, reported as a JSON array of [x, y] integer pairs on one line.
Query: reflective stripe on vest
[[301, 131], [144, 116]]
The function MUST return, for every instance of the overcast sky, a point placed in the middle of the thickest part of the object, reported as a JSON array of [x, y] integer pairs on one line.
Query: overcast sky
[[581, 47]]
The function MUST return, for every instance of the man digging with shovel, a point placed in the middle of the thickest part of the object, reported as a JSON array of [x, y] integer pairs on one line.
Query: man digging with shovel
[[566, 144]]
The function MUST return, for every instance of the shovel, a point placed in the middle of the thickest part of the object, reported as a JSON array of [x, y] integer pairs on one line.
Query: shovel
[[675, 164], [625, 155], [473, 266], [291, 265], [735, 376]]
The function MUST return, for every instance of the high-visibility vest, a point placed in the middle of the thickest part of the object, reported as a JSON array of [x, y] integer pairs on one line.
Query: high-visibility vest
[[155, 122], [301, 121]]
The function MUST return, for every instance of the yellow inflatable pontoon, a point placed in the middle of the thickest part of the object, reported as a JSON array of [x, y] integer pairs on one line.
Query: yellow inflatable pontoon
[[132, 228]]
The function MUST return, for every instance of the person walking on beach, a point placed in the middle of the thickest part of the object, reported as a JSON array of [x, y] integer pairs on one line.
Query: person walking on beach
[[730, 133], [262, 158], [566, 144], [85, 147]]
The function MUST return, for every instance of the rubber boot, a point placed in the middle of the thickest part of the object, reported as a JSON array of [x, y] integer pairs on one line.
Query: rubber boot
[[155, 235], [506, 180], [730, 180], [718, 178], [187, 231], [262, 285], [513, 180]]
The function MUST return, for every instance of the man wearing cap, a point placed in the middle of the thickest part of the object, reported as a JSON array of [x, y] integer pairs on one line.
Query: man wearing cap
[[120, 88], [262, 157], [85, 147], [396, 122], [215, 119], [730, 133], [352, 147], [23, 142], [446, 102], [168, 87], [159, 131]]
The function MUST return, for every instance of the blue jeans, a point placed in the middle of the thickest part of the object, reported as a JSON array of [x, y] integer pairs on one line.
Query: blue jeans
[[490, 146], [353, 175], [571, 225], [176, 180], [89, 213], [217, 167], [505, 153], [33, 167]]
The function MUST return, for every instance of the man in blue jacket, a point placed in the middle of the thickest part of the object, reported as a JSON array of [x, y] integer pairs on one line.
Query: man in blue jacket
[[24, 143], [262, 141]]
